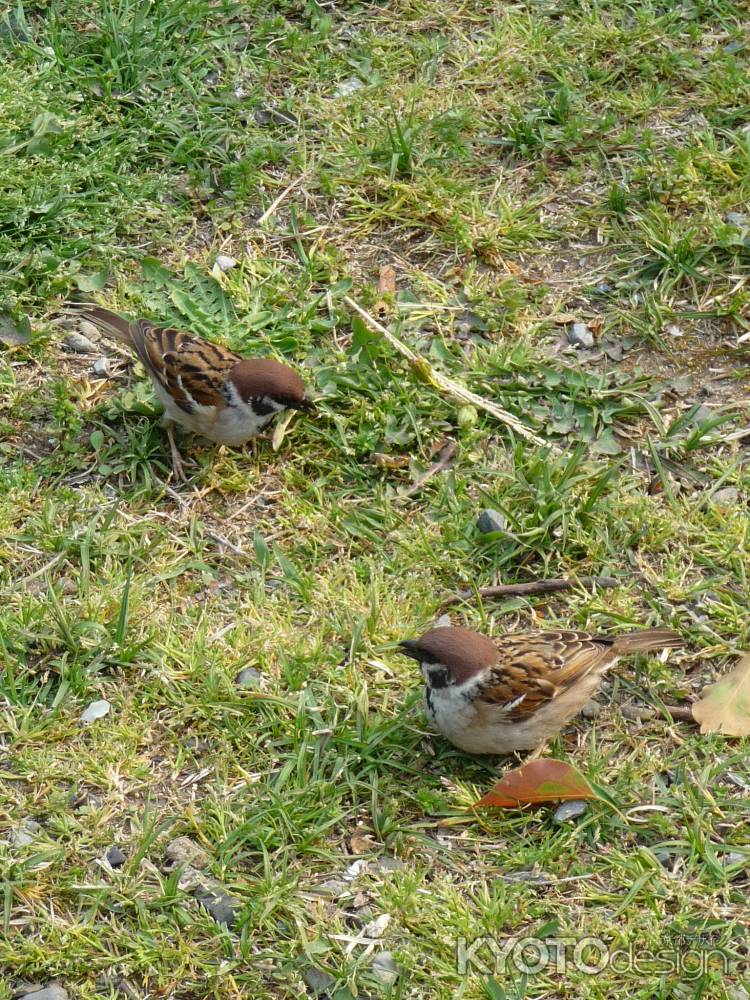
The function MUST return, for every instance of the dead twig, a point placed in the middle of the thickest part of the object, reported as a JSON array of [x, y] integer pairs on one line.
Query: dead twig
[[444, 459], [447, 385], [680, 713], [535, 587], [275, 204]]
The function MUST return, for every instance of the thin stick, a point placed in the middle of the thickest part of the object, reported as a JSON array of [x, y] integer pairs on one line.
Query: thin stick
[[275, 204], [535, 587], [681, 713], [444, 459], [455, 389]]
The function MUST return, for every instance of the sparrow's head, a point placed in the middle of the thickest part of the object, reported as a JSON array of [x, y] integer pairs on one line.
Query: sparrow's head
[[271, 383], [449, 655]]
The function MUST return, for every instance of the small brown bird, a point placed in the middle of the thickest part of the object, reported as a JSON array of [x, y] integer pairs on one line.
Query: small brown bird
[[515, 692], [205, 387]]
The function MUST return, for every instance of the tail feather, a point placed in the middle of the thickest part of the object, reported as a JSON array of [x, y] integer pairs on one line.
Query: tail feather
[[645, 640], [108, 322]]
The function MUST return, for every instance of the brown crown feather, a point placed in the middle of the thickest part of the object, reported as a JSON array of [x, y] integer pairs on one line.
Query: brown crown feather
[[463, 652], [266, 377]]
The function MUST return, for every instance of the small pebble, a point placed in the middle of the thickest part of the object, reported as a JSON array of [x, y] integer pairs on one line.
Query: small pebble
[[334, 888], [90, 330], [636, 712], [115, 857], [702, 415], [490, 520], [726, 497], [184, 851], [385, 968], [225, 263], [579, 335], [570, 810], [224, 909], [735, 858], [376, 928], [316, 981], [736, 218], [96, 710], [52, 992], [673, 330], [347, 87], [79, 344], [102, 368], [388, 864], [26, 833], [249, 677], [591, 710]]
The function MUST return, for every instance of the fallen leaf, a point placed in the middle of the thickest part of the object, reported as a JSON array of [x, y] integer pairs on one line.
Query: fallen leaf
[[543, 780], [360, 843], [725, 705], [386, 290], [280, 429], [13, 332]]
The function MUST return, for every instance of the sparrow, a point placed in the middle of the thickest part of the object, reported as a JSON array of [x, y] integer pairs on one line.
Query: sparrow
[[515, 692], [205, 387]]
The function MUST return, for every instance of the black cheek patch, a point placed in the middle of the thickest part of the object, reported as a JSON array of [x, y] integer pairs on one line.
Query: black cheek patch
[[262, 408]]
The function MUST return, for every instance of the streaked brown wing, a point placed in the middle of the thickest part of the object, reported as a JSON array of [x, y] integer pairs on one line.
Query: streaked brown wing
[[537, 667], [191, 369]]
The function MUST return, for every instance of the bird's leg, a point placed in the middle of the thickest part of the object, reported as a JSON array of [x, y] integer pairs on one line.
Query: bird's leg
[[177, 470]]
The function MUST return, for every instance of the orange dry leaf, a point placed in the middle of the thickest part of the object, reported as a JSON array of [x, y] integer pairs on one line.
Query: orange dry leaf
[[386, 290], [538, 781], [725, 705]]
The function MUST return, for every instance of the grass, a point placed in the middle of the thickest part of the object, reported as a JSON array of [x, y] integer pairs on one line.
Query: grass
[[520, 166]]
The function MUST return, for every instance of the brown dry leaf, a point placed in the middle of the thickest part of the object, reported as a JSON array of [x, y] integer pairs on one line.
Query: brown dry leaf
[[725, 705], [360, 843], [386, 290], [389, 461], [545, 780]]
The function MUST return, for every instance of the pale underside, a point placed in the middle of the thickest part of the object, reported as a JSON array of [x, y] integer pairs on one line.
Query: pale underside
[[476, 726]]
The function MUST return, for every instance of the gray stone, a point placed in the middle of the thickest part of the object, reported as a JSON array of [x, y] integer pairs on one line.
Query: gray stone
[[96, 710], [25, 833], [184, 851], [591, 710], [102, 368], [52, 992], [636, 712], [570, 810], [225, 909], [316, 981], [347, 87], [736, 219], [225, 263], [385, 968], [249, 677], [333, 888], [78, 344], [579, 335], [702, 415], [728, 496], [736, 858], [388, 864], [490, 520], [115, 857]]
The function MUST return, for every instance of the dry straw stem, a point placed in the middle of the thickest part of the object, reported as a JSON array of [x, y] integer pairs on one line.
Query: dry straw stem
[[533, 587], [454, 389]]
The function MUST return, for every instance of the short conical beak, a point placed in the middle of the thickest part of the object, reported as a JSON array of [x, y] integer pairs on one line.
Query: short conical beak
[[409, 648]]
